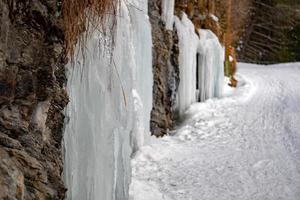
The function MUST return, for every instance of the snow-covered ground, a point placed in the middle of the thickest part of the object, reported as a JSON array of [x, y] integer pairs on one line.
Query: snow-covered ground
[[245, 146]]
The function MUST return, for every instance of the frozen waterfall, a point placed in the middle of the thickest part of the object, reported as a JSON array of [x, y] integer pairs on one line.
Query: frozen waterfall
[[143, 76], [110, 92], [188, 45], [210, 66], [109, 111], [201, 53]]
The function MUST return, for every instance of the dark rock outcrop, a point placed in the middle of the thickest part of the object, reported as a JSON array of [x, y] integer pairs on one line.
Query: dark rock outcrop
[[165, 71], [32, 64]]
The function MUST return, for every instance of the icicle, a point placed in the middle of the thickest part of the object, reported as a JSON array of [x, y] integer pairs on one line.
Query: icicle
[[188, 43], [168, 13], [101, 126], [210, 60]]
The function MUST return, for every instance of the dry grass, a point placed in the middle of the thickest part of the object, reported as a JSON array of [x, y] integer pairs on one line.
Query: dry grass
[[79, 14]]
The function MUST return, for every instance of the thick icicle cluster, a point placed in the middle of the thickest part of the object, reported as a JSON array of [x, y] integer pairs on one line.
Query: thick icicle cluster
[[206, 54], [210, 66], [142, 71], [109, 111], [111, 97], [188, 45]]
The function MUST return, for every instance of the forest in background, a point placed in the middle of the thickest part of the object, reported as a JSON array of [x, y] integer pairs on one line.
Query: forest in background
[[272, 34]]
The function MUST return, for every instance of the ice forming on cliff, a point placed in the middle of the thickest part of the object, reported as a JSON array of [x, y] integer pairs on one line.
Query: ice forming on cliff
[[200, 62], [108, 115]]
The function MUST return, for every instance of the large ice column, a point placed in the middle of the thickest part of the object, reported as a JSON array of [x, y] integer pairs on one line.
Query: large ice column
[[143, 76], [188, 45], [210, 65], [110, 89], [168, 13], [210, 61]]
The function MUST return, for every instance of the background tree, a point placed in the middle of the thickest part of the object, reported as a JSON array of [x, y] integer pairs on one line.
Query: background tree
[[273, 32]]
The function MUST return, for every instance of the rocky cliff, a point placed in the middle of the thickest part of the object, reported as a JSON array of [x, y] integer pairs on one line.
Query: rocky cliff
[[165, 71], [31, 99], [109, 101]]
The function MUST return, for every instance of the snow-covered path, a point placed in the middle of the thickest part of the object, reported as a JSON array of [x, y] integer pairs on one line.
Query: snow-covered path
[[245, 146]]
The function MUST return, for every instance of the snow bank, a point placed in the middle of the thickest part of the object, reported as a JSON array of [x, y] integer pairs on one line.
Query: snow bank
[[109, 109], [146, 191], [209, 63], [168, 13]]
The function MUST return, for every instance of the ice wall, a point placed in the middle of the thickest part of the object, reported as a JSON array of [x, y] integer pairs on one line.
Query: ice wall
[[109, 110], [210, 60], [143, 76], [188, 45]]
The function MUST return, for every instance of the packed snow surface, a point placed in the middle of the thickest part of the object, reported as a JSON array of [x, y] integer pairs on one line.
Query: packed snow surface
[[245, 146]]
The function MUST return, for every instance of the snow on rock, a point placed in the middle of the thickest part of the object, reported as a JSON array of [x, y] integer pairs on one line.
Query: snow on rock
[[168, 13], [145, 191], [214, 17], [204, 53], [110, 103]]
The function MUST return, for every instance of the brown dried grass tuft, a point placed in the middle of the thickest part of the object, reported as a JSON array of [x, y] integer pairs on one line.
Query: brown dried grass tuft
[[79, 14]]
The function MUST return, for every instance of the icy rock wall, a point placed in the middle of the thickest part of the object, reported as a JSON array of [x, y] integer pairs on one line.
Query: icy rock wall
[[176, 47], [110, 101], [209, 63]]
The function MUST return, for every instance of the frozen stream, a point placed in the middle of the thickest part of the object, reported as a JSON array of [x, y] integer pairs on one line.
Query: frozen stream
[[245, 146]]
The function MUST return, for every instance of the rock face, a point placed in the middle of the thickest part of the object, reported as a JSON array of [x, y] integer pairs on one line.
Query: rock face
[[165, 71], [31, 99]]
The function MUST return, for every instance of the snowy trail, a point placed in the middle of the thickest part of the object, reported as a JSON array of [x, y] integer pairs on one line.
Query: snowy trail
[[245, 146]]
